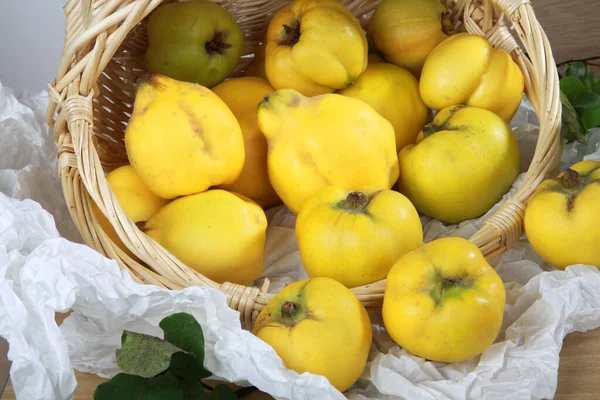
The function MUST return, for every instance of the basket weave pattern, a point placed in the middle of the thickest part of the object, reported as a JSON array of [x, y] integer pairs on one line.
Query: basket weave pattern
[[91, 101]]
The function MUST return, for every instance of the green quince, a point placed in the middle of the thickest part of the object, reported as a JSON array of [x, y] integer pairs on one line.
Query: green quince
[[194, 41]]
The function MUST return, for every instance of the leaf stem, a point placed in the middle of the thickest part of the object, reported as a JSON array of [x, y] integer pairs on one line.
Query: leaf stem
[[584, 60]]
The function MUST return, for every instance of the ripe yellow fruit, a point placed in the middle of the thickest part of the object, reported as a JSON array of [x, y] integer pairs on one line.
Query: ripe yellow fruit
[[242, 96], [136, 200], [315, 47], [466, 69], [356, 237], [462, 164], [394, 93], [563, 215], [326, 140], [443, 301], [405, 31], [218, 233], [182, 138], [318, 326]]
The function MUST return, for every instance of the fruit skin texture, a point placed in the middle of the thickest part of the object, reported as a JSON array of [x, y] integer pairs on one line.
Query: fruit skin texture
[[326, 140], [466, 69], [562, 217], [406, 31], [196, 41], [394, 93], [356, 237], [322, 49], [175, 146], [328, 331], [443, 301], [218, 233], [462, 164], [136, 200], [242, 96]]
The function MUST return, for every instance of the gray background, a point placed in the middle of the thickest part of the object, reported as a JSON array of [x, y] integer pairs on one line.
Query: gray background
[[31, 40]]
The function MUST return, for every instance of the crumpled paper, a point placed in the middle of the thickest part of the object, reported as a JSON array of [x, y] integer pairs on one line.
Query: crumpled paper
[[45, 269]]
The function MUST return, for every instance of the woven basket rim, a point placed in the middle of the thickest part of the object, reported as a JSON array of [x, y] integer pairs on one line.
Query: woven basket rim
[[96, 29]]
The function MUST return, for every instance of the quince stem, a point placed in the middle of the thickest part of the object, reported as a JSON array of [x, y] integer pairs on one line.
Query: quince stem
[[571, 179], [447, 24], [292, 34], [429, 130], [356, 200], [459, 281], [289, 310], [141, 225], [217, 44]]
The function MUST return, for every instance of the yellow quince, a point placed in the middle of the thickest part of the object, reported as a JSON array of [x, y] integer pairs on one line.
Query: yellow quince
[[325, 140], [405, 31], [466, 69], [394, 93], [563, 214], [242, 95], [462, 164], [315, 47], [319, 326], [182, 138], [444, 301], [136, 200], [355, 237], [218, 233]]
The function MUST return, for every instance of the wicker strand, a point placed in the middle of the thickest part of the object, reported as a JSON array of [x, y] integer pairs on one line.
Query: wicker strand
[[510, 7], [241, 298], [78, 108], [501, 38], [508, 220]]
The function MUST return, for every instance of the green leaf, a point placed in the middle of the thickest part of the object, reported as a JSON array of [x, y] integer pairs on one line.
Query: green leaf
[[194, 390], [583, 72], [186, 365], [591, 118], [127, 387], [182, 330], [597, 87], [144, 355], [586, 101], [571, 86], [163, 387], [121, 386], [576, 69], [590, 79], [223, 392], [571, 129]]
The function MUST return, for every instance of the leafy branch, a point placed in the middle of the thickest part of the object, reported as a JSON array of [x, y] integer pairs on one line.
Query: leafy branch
[[169, 368], [580, 98]]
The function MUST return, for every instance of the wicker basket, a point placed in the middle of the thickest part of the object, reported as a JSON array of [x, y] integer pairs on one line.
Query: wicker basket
[[92, 96]]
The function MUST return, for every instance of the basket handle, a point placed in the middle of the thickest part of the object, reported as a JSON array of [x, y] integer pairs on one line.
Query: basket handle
[[505, 227]]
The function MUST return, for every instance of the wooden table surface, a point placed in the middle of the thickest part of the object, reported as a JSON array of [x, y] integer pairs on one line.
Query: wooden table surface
[[577, 373]]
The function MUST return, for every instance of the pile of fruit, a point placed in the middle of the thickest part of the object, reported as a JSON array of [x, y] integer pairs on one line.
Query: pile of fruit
[[334, 122]]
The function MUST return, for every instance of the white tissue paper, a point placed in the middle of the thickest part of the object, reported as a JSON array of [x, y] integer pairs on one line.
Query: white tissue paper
[[44, 269]]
